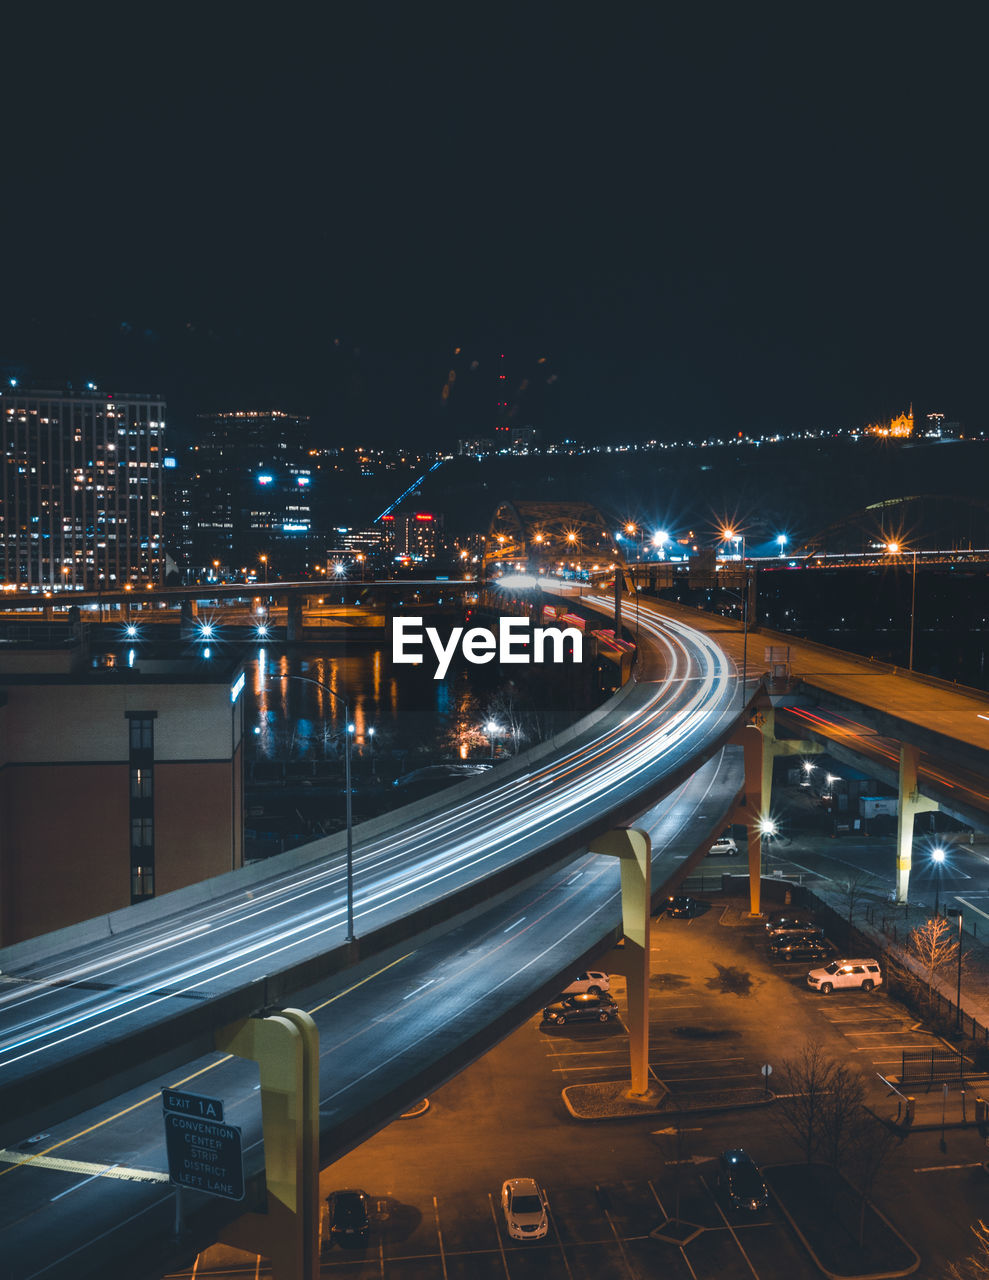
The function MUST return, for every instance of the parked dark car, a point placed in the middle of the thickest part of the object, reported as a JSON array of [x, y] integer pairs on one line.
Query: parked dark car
[[798, 946], [588, 1006], [741, 1181], [349, 1215], [680, 906], [796, 920]]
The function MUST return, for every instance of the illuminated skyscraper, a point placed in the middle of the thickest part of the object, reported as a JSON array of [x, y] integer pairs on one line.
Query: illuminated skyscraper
[[81, 503], [250, 478]]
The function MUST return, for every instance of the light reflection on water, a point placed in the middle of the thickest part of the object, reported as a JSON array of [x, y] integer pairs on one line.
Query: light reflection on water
[[286, 717]]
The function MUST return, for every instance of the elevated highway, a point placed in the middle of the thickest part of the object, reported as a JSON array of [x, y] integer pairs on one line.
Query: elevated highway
[[469, 912], [925, 737]]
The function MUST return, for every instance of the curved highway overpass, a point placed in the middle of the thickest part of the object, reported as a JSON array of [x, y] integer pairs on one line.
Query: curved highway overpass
[[503, 870]]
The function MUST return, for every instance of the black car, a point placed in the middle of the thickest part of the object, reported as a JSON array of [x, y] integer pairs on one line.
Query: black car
[[349, 1215], [741, 1181], [787, 921], [798, 946], [680, 906], [588, 1006]]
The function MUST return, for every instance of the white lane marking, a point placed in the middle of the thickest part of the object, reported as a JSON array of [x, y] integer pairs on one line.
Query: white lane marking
[[91, 1178], [940, 1168], [559, 1238], [439, 1237], [418, 989], [614, 1231], [574, 877], [965, 902], [662, 1209], [734, 1234], [501, 1247], [514, 926]]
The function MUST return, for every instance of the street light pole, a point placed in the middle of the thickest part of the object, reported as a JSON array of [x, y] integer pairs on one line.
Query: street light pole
[[350, 822], [958, 993], [938, 857], [913, 600]]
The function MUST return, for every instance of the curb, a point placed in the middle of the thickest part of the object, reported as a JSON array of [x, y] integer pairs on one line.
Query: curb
[[837, 1275], [715, 1108]]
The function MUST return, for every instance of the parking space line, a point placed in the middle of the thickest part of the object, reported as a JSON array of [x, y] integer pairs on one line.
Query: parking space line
[[683, 1252], [559, 1238], [734, 1235], [614, 1232], [439, 1237], [501, 1247]]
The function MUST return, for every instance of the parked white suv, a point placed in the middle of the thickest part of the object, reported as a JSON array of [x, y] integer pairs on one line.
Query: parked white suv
[[594, 982], [845, 973]]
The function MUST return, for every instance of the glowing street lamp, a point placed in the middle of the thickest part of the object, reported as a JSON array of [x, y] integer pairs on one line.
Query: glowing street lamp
[[781, 538], [937, 857], [491, 728]]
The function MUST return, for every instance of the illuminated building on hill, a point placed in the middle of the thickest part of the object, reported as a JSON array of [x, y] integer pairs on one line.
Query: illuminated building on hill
[[900, 427]]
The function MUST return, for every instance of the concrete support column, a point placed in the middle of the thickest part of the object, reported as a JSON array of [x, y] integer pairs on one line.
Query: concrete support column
[[286, 1048], [756, 787], [634, 850], [293, 619], [909, 803], [188, 612]]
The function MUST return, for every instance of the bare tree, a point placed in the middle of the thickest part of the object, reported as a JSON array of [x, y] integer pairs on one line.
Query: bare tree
[[807, 1079], [931, 951], [976, 1265], [514, 714], [843, 1110], [852, 889]]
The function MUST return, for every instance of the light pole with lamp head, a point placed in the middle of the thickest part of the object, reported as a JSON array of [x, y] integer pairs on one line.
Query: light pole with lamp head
[[895, 549], [957, 911], [767, 828], [937, 857], [348, 730], [729, 535]]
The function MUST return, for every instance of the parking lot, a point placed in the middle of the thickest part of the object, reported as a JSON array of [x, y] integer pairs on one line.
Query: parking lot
[[604, 1237], [721, 1009]]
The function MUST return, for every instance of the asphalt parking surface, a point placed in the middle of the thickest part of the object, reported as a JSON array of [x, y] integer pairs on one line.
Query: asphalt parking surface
[[721, 1008]]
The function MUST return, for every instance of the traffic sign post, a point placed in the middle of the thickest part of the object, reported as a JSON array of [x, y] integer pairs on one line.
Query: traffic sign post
[[192, 1104], [204, 1154], [767, 1071]]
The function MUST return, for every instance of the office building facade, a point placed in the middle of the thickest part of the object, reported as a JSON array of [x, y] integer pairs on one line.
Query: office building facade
[[117, 784], [248, 477], [81, 494]]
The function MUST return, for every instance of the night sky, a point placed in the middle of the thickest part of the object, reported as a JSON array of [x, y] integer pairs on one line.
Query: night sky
[[727, 218]]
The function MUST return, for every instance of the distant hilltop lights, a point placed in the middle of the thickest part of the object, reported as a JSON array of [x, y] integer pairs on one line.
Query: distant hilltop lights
[[900, 427]]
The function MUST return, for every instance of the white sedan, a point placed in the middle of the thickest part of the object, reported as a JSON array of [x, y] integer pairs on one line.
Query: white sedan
[[524, 1206], [593, 981]]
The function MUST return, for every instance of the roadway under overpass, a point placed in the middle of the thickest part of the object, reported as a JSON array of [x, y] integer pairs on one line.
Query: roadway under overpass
[[454, 953], [926, 738]]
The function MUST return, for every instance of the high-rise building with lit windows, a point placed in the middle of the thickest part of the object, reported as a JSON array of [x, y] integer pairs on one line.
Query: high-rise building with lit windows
[[81, 498], [250, 474]]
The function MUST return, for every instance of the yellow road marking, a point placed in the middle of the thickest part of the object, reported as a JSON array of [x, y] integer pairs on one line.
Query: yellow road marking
[[83, 1166], [155, 1097]]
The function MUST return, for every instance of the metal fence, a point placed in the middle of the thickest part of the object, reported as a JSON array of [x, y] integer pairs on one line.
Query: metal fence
[[932, 1004], [930, 1065]]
